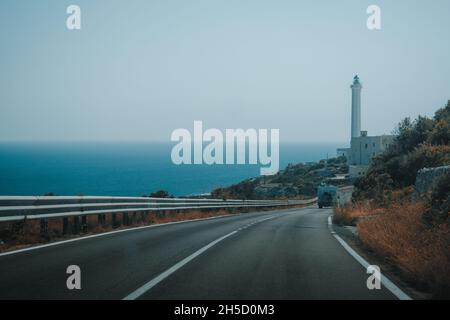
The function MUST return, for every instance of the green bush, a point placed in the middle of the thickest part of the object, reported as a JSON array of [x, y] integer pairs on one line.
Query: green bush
[[439, 203], [420, 143], [160, 194]]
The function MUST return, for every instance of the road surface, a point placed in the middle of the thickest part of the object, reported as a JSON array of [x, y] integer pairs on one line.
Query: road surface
[[283, 254]]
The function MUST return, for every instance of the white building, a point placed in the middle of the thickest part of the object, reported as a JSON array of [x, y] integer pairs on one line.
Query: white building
[[362, 147]]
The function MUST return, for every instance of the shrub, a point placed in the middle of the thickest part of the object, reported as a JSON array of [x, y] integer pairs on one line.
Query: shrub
[[421, 254], [440, 133], [159, 194], [351, 214], [420, 143], [399, 172], [438, 211]]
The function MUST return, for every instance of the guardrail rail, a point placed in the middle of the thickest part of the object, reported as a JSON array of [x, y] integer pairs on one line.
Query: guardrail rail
[[22, 208]]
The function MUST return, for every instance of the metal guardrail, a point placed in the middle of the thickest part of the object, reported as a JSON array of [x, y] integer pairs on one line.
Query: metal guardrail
[[17, 208]]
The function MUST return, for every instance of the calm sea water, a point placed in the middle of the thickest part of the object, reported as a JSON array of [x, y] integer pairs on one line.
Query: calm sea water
[[124, 169]]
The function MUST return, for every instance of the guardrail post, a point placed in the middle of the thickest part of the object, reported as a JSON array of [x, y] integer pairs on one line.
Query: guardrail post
[[44, 228], [65, 222], [125, 219], [114, 220], [76, 224], [84, 224], [101, 219]]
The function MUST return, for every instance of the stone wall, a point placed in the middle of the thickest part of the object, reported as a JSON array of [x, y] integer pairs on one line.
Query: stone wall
[[427, 177]]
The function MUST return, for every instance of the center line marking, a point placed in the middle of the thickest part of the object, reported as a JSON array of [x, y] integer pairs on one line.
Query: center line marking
[[146, 287], [139, 292]]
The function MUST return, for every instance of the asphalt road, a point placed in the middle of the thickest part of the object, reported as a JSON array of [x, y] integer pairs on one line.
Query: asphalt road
[[285, 254]]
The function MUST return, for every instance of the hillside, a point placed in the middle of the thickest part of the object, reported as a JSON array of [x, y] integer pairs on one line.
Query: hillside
[[422, 143], [409, 226], [295, 181]]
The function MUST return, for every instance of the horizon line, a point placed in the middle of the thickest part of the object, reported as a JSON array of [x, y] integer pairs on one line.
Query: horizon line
[[144, 141]]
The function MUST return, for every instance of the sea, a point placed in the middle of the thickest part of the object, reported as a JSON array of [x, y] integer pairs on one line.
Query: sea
[[125, 168]]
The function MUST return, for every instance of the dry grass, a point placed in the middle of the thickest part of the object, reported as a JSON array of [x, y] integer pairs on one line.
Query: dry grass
[[352, 213], [421, 254]]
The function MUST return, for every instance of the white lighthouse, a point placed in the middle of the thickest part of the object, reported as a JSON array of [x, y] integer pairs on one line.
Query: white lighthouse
[[356, 107], [362, 147]]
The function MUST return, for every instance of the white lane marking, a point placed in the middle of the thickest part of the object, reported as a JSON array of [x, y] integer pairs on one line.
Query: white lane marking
[[384, 280], [330, 225], [108, 233], [139, 292], [57, 243], [149, 285]]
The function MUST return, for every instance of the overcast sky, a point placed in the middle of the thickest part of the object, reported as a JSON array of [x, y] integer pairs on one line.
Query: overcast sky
[[137, 70]]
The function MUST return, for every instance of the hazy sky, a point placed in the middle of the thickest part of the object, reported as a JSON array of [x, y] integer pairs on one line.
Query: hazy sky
[[140, 69]]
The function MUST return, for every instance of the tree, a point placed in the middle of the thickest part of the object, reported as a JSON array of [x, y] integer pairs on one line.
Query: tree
[[440, 133], [160, 194], [410, 134]]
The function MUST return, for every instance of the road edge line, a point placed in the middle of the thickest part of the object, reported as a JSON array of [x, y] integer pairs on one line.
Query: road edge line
[[42, 246], [56, 243], [392, 287]]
